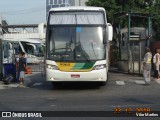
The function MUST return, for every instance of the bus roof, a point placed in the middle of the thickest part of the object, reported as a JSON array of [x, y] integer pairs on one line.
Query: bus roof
[[77, 8]]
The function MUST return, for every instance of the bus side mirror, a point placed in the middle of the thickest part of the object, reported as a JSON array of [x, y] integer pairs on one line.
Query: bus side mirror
[[110, 32]]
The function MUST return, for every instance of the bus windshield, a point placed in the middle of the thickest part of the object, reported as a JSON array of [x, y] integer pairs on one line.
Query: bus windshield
[[32, 48], [76, 43]]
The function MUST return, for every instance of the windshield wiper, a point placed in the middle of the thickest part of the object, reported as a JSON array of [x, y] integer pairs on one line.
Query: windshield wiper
[[52, 50], [83, 52], [61, 52], [93, 50]]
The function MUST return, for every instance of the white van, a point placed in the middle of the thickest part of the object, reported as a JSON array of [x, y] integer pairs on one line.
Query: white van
[[33, 48]]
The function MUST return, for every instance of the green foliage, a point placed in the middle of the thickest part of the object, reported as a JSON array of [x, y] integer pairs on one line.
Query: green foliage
[[135, 6], [109, 5]]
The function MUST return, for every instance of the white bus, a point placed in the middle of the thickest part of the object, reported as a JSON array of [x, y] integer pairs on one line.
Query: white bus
[[77, 44], [33, 49]]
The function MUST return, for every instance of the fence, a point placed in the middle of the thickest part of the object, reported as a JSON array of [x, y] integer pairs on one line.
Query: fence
[[35, 62]]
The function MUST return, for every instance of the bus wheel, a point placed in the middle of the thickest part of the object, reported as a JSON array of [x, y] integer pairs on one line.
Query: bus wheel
[[104, 83], [56, 84]]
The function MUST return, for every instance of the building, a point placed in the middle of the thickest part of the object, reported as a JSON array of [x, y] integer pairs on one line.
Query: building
[[62, 3]]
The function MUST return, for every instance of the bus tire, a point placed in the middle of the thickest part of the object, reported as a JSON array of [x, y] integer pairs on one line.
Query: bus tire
[[104, 83], [56, 84]]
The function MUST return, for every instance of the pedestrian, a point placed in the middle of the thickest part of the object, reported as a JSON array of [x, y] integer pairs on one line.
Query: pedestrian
[[147, 66], [21, 68], [17, 66], [158, 64], [156, 60]]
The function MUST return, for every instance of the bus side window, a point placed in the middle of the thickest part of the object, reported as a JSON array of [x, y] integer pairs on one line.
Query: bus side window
[[17, 48], [5, 49], [20, 49], [30, 49]]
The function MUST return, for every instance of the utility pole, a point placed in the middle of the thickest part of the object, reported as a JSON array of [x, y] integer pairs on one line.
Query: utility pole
[[79, 2], [0, 19], [1, 50], [149, 27], [128, 43]]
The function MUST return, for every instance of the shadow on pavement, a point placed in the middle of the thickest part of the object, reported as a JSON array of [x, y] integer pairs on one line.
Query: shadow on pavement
[[76, 86], [37, 81]]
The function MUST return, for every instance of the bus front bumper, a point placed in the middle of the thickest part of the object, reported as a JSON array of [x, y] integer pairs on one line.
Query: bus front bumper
[[60, 76]]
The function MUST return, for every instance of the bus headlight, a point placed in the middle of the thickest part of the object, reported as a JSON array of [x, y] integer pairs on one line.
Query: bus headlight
[[98, 67], [54, 67]]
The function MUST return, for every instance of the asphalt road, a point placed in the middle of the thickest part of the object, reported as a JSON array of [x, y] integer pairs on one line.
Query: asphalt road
[[122, 91]]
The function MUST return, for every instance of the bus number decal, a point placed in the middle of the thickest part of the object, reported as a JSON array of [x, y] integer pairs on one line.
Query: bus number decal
[[65, 64]]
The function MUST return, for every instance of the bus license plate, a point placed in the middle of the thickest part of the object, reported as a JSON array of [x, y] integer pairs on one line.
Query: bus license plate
[[75, 76]]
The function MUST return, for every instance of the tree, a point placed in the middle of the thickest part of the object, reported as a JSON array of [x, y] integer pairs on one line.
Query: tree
[[141, 6], [109, 5], [154, 10]]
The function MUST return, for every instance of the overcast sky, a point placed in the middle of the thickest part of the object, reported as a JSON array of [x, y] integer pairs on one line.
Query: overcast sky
[[23, 11]]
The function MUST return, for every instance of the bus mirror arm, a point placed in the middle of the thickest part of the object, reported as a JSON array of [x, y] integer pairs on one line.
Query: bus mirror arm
[[104, 39]]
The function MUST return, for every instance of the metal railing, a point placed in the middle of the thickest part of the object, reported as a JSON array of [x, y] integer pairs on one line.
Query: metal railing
[[35, 62]]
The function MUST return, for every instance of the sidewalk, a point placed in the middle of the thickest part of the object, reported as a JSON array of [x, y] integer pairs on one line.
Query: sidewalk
[[120, 78], [115, 70], [114, 78], [34, 78]]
